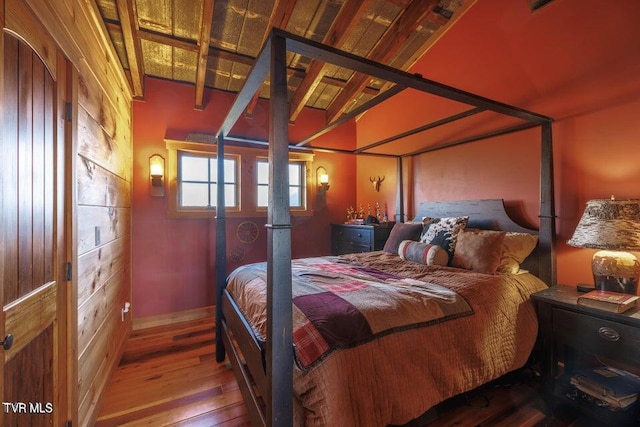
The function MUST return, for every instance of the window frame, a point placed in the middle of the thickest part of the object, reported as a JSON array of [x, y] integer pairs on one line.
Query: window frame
[[305, 165], [174, 210], [212, 180], [246, 180]]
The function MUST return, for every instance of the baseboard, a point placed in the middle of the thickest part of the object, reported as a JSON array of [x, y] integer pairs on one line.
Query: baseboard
[[170, 318]]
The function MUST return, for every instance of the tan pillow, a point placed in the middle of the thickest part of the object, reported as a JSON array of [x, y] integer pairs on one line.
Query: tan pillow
[[515, 248], [478, 250]]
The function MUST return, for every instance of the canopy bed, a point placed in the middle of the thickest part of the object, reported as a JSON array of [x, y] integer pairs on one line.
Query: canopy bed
[[284, 374]]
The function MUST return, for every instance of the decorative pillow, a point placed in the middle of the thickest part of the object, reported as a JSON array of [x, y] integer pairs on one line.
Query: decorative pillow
[[401, 231], [422, 253], [479, 250], [443, 232], [515, 248]]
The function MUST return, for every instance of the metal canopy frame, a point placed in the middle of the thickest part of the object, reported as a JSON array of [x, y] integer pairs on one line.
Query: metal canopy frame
[[272, 61]]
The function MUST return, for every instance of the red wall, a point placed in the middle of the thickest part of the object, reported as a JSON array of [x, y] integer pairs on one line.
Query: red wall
[[570, 61], [174, 259]]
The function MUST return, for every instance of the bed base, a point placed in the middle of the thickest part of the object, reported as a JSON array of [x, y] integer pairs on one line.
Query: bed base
[[247, 359]]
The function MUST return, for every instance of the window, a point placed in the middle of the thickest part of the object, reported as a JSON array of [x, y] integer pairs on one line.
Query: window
[[297, 184], [197, 181], [192, 175]]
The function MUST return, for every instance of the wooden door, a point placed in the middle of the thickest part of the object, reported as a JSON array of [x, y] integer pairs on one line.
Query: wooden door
[[33, 379]]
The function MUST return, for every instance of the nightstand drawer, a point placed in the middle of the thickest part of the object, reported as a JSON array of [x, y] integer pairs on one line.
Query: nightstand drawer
[[597, 335], [356, 236]]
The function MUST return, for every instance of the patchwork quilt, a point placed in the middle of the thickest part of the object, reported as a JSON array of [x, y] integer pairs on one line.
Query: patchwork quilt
[[338, 305]]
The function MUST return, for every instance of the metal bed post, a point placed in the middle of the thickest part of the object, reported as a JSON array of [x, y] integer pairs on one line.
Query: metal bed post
[[279, 315], [547, 208], [400, 192], [221, 248]]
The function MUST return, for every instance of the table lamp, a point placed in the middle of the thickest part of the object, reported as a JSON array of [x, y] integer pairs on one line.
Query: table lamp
[[613, 226]]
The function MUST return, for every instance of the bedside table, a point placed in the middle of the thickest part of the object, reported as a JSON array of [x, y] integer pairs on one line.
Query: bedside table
[[347, 238], [571, 335]]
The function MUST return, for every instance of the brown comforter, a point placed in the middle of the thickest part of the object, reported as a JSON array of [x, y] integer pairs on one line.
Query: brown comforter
[[398, 376]]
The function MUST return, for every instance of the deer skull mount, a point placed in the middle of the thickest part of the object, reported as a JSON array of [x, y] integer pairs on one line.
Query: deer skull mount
[[376, 182]]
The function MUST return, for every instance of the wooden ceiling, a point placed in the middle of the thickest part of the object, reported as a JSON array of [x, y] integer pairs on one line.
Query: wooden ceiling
[[214, 43]]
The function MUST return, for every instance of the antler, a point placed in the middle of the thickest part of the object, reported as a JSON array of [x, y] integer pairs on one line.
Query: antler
[[376, 182]]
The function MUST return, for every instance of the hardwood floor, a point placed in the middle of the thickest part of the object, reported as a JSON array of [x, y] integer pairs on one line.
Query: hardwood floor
[[168, 376]]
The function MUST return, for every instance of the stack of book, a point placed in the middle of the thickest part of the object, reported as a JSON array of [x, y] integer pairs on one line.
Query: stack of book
[[616, 388]]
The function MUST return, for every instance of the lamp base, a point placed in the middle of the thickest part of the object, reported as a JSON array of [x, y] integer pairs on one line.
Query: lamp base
[[616, 271]]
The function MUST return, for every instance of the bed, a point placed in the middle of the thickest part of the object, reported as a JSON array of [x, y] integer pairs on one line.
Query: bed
[[388, 363], [393, 373]]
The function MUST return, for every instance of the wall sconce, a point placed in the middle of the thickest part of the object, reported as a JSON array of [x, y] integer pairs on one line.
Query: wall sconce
[[156, 175], [322, 178]]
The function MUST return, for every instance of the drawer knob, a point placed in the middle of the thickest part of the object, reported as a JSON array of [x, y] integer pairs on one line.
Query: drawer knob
[[608, 334]]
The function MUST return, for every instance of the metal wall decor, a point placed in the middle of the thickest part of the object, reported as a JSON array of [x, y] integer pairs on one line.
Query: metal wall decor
[[247, 232]]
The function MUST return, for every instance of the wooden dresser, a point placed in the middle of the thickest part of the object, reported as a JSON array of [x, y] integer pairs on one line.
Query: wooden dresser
[[346, 239]]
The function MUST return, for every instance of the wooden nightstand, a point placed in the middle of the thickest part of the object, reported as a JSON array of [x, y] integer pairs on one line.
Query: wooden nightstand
[[347, 239], [573, 336]]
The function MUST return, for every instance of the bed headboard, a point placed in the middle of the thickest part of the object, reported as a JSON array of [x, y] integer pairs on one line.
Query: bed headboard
[[487, 214]]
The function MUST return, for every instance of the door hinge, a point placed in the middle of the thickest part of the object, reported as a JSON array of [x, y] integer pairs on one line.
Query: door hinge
[[68, 111], [68, 270]]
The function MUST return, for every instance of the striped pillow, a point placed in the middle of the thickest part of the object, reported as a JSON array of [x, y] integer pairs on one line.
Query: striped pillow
[[422, 253]]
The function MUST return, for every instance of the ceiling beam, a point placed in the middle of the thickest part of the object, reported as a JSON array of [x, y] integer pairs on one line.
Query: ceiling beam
[[252, 84], [401, 29], [349, 16], [353, 113], [191, 46], [435, 37], [129, 24], [384, 72], [185, 44], [203, 51], [282, 11]]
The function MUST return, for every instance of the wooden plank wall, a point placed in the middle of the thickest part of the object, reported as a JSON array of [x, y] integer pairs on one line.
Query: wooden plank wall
[[102, 206]]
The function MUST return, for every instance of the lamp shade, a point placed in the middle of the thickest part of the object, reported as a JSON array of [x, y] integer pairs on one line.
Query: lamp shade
[[609, 224]]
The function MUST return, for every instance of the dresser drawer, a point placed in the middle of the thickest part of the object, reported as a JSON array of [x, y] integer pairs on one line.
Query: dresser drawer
[[353, 235], [597, 335]]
